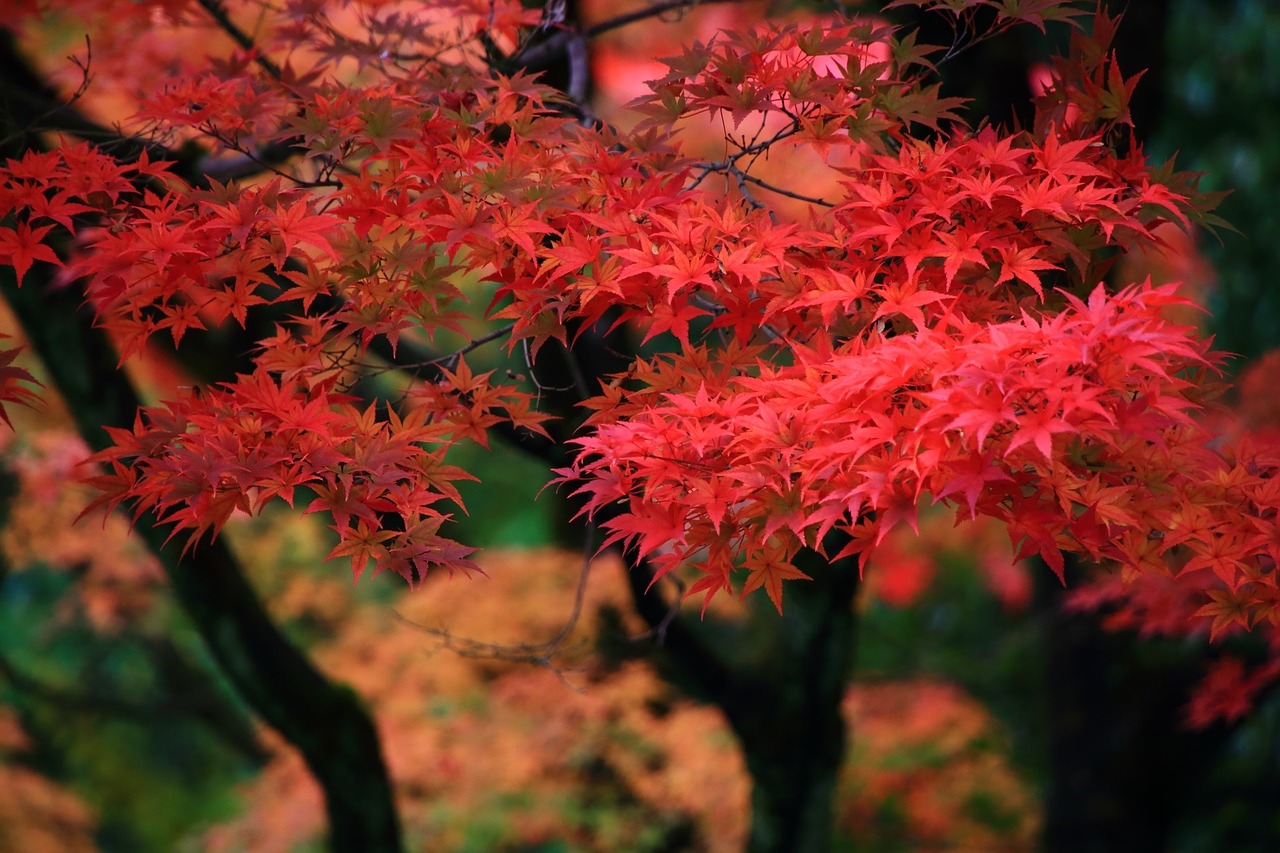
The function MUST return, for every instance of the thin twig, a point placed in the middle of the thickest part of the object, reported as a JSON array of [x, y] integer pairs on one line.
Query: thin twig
[[539, 654], [648, 12], [773, 188], [543, 51], [658, 633], [449, 359]]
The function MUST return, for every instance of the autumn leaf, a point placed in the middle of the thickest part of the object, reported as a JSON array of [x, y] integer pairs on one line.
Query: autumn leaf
[[768, 569], [1227, 610], [15, 383], [21, 246]]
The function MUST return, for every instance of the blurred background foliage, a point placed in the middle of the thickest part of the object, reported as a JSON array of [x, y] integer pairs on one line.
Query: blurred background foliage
[[117, 734], [1222, 118]]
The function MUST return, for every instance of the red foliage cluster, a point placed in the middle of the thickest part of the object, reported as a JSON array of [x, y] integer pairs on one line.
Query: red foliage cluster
[[934, 326]]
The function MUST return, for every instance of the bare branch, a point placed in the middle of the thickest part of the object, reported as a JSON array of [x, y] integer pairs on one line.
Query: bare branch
[[654, 11], [773, 188], [538, 654], [543, 51], [449, 359]]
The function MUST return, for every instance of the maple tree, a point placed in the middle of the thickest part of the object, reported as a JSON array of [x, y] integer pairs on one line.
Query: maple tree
[[929, 316]]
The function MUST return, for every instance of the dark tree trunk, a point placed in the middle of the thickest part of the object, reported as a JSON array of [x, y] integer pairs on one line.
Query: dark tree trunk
[[1124, 767], [780, 682], [789, 718]]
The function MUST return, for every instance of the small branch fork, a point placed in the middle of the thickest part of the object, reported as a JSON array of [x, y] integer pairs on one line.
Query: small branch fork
[[538, 654], [448, 360], [544, 51], [545, 654]]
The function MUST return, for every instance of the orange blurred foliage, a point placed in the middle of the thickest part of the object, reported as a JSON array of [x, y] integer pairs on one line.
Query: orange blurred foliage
[[492, 751], [926, 772], [116, 575], [37, 815]]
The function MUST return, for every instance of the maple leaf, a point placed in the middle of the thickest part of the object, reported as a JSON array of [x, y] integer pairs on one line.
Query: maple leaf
[[768, 568], [710, 584], [296, 224], [1023, 265], [14, 382], [1038, 12], [970, 479], [361, 544], [21, 245], [1039, 428], [901, 300]]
